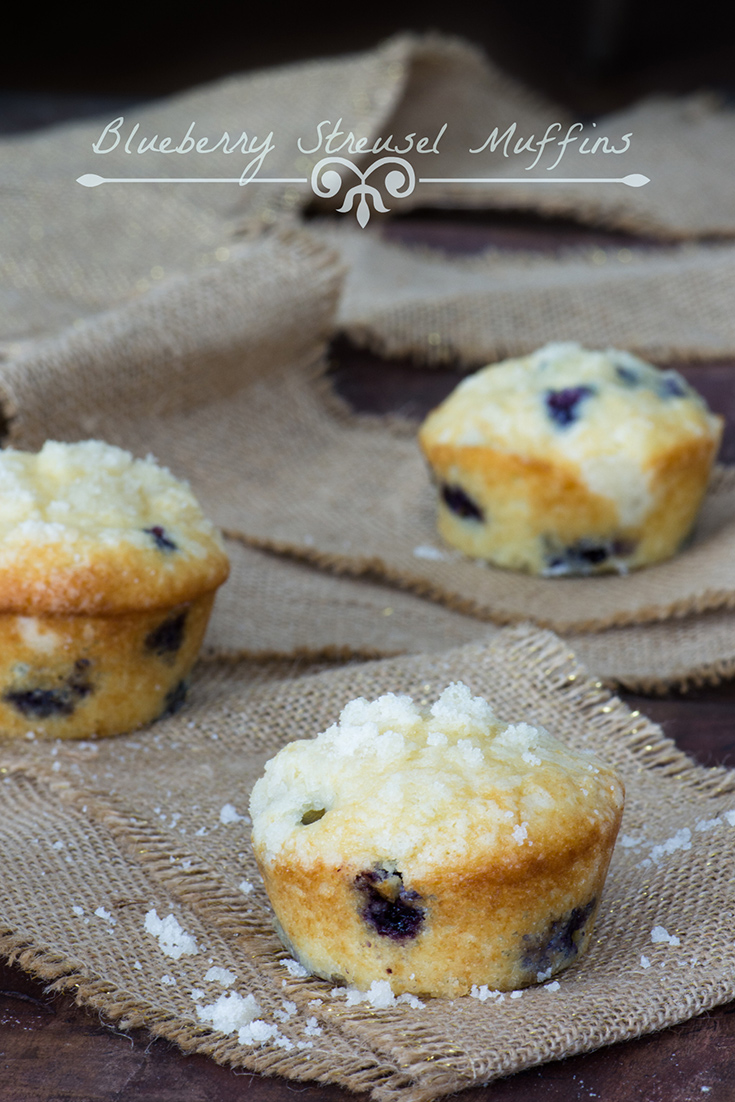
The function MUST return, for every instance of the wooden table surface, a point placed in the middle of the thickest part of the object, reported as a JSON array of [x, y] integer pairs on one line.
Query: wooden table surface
[[53, 1051]]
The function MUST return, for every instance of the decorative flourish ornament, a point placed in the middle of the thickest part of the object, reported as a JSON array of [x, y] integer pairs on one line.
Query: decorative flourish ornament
[[327, 181]]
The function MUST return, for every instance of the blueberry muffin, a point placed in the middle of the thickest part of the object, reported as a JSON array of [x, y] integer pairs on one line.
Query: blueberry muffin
[[434, 850], [108, 572], [570, 462]]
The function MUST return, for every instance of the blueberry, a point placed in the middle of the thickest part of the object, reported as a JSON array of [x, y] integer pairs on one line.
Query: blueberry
[[460, 503], [167, 638], [175, 699], [627, 375], [61, 700], [388, 907], [672, 385], [559, 943], [163, 542], [583, 556], [561, 405]]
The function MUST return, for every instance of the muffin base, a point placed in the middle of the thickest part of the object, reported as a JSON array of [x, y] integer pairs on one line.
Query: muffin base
[[92, 676], [501, 926]]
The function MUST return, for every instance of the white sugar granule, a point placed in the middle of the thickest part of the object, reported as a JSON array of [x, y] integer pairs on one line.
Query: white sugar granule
[[294, 968], [78, 911], [168, 981], [289, 1009], [172, 938], [102, 913], [230, 1012], [228, 814], [245, 887], [516, 994], [645, 962], [730, 817], [681, 840], [312, 1028], [482, 994], [627, 841], [379, 995], [659, 935], [707, 824], [520, 833], [426, 551], [220, 975], [553, 986]]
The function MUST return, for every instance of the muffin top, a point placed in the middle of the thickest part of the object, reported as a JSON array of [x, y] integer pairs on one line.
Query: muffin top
[[86, 528], [609, 413], [438, 790]]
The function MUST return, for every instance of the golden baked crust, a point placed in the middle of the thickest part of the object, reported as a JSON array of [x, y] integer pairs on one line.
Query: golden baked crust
[[435, 852], [108, 571], [569, 461]]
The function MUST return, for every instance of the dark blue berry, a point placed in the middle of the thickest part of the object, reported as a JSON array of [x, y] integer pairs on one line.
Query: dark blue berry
[[461, 503], [627, 375], [388, 907], [583, 556], [672, 386], [61, 700], [167, 638], [175, 699], [559, 943], [163, 542], [561, 405]]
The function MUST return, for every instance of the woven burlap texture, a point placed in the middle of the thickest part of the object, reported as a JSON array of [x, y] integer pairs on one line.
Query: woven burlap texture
[[214, 375], [665, 304], [95, 835], [273, 607]]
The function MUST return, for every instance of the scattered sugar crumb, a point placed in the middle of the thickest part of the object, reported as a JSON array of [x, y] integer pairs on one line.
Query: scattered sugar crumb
[[541, 976], [58, 845], [426, 551], [168, 981], [172, 938], [645, 962], [78, 911], [138, 965], [520, 833], [516, 994], [197, 994], [228, 814], [245, 887], [628, 842], [312, 1028], [707, 824], [681, 840], [220, 975], [230, 1012], [553, 986], [289, 1009], [379, 995], [316, 1002], [660, 935], [482, 994], [102, 913], [294, 968], [730, 816]]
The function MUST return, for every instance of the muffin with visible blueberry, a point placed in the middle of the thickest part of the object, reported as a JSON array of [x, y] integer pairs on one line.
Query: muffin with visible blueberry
[[108, 571], [436, 850], [569, 461]]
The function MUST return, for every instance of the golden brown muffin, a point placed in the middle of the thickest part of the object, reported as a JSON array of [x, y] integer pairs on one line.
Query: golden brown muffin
[[436, 851], [108, 571], [570, 462]]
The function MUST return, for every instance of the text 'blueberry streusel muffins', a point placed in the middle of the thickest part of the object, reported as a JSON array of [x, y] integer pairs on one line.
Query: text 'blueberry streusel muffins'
[[435, 851], [108, 571], [570, 462]]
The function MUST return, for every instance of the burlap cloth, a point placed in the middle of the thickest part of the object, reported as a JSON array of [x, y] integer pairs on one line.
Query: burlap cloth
[[191, 322], [95, 835]]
